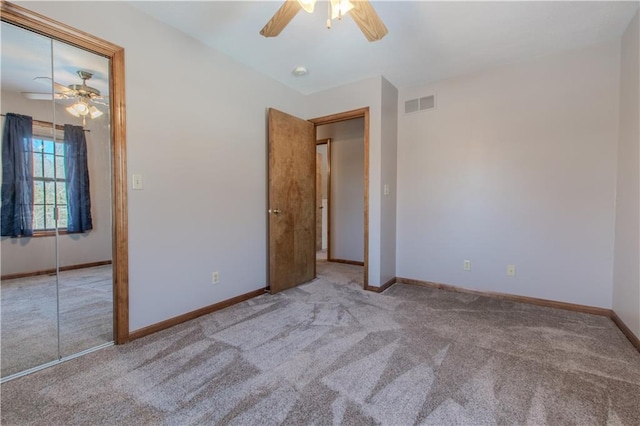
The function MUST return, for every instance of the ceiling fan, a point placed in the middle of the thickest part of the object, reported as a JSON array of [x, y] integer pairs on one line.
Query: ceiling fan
[[360, 10], [84, 95]]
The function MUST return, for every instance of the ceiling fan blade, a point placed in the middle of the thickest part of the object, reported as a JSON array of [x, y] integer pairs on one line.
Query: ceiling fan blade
[[368, 20], [43, 96], [57, 86], [283, 16]]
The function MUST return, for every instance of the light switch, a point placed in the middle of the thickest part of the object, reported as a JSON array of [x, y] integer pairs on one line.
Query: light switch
[[136, 181], [387, 190]]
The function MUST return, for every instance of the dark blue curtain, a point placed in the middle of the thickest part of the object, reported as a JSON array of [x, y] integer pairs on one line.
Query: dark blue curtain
[[17, 177], [77, 176]]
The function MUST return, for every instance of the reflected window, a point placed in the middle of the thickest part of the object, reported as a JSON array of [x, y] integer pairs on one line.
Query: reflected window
[[49, 182]]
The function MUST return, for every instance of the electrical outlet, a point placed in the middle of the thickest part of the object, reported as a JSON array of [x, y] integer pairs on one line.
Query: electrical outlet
[[214, 278], [467, 265], [511, 270]]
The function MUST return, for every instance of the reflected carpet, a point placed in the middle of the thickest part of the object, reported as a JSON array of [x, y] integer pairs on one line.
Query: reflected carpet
[[29, 323]]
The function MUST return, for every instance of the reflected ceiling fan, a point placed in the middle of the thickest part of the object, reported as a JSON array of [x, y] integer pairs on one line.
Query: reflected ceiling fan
[[85, 96], [360, 10]]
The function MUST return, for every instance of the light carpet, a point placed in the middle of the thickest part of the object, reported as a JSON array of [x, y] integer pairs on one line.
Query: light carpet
[[330, 353]]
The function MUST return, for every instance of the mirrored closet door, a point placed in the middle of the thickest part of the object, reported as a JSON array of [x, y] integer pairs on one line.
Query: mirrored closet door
[[56, 283]]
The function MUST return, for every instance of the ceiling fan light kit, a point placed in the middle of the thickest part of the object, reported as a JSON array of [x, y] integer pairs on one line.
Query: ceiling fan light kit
[[78, 109], [339, 8], [94, 112], [307, 5], [361, 11]]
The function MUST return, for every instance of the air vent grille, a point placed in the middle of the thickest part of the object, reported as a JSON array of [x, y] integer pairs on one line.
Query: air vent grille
[[427, 102], [412, 106], [420, 104]]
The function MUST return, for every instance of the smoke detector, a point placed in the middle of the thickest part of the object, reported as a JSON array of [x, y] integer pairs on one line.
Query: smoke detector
[[300, 71]]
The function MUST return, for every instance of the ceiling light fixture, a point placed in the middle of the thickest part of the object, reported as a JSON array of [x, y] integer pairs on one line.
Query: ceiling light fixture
[[361, 11], [82, 108], [335, 8], [85, 97], [307, 5], [78, 109], [94, 112], [339, 8]]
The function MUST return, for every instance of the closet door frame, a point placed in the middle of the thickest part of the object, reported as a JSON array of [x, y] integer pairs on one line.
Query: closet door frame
[[40, 24]]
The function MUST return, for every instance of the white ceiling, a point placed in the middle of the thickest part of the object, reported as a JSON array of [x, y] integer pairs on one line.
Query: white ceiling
[[427, 41]]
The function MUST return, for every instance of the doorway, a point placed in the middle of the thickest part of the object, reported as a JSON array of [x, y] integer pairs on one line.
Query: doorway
[[342, 167], [292, 206]]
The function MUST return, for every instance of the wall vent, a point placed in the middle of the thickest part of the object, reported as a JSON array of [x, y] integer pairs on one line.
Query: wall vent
[[412, 106], [420, 104]]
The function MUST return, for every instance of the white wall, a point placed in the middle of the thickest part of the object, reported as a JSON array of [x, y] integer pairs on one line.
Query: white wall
[[626, 273], [20, 255], [389, 162], [347, 188], [515, 166], [203, 206]]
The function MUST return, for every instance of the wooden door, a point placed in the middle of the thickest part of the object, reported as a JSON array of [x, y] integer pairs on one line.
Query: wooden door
[[292, 193], [318, 202]]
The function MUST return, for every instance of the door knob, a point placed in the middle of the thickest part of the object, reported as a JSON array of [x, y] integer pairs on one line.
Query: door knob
[[275, 211]]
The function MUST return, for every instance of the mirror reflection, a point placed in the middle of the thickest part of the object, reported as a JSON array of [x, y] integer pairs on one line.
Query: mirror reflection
[[56, 286]]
